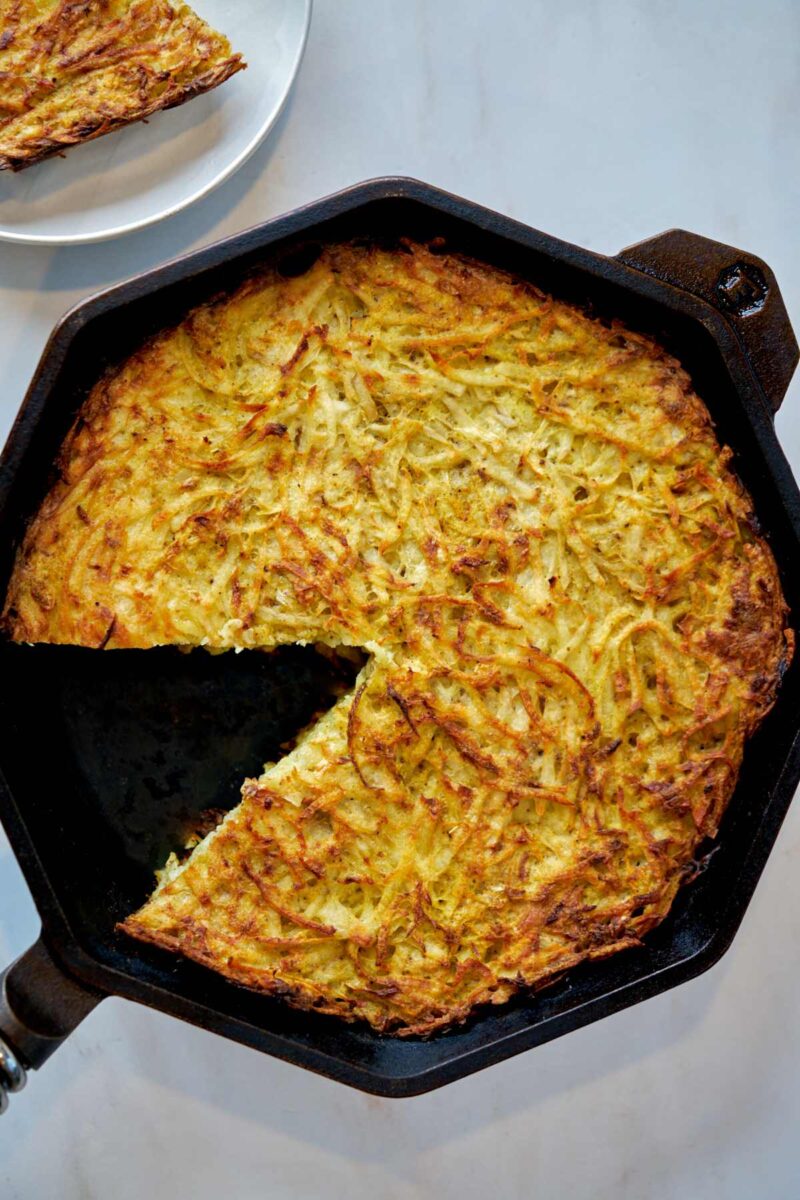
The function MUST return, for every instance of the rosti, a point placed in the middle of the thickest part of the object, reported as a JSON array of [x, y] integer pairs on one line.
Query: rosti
[[71, 71], [524, 518]]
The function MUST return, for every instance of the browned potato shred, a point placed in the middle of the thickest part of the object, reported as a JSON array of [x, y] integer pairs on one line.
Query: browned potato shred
[[71, 70], [525, 519]]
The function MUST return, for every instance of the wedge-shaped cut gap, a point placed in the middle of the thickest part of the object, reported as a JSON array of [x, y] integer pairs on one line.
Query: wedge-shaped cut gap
[[161, 740]]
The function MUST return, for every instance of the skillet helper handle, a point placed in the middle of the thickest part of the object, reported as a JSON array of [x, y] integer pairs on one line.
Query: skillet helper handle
[[39, 1007], [740, 286]]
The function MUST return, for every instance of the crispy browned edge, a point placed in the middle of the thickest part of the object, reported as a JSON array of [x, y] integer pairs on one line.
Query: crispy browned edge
[[296, 998], [48, 148]]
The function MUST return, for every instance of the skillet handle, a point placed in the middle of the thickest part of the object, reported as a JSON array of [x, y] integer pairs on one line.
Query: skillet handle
[[40, 1006], [740, 286]]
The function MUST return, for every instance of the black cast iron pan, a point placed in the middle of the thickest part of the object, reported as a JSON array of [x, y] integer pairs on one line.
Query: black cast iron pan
[[106, 759]]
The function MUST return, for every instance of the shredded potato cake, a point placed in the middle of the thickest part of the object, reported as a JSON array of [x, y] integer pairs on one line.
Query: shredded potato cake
[[524, 518], [72, 70]]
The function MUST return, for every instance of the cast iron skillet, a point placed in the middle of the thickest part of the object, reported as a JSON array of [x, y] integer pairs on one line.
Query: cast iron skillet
[[106, 758]]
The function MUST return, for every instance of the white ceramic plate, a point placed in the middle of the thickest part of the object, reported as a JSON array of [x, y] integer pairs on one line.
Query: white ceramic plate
[[144, 173]]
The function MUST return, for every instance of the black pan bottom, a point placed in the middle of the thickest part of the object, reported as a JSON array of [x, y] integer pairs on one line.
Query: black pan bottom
[[133, 747]]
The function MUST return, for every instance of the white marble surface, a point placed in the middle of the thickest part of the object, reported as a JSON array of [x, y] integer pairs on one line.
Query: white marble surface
[[601, 121]]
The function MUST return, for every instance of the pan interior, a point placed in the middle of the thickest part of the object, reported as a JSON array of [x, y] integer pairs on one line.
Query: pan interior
[[135, 751]]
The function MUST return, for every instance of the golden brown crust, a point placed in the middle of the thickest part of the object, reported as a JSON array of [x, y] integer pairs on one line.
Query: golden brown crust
[[525, 518], [71, 72]]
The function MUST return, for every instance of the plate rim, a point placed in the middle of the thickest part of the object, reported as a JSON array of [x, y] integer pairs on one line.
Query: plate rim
[[107, 235]]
